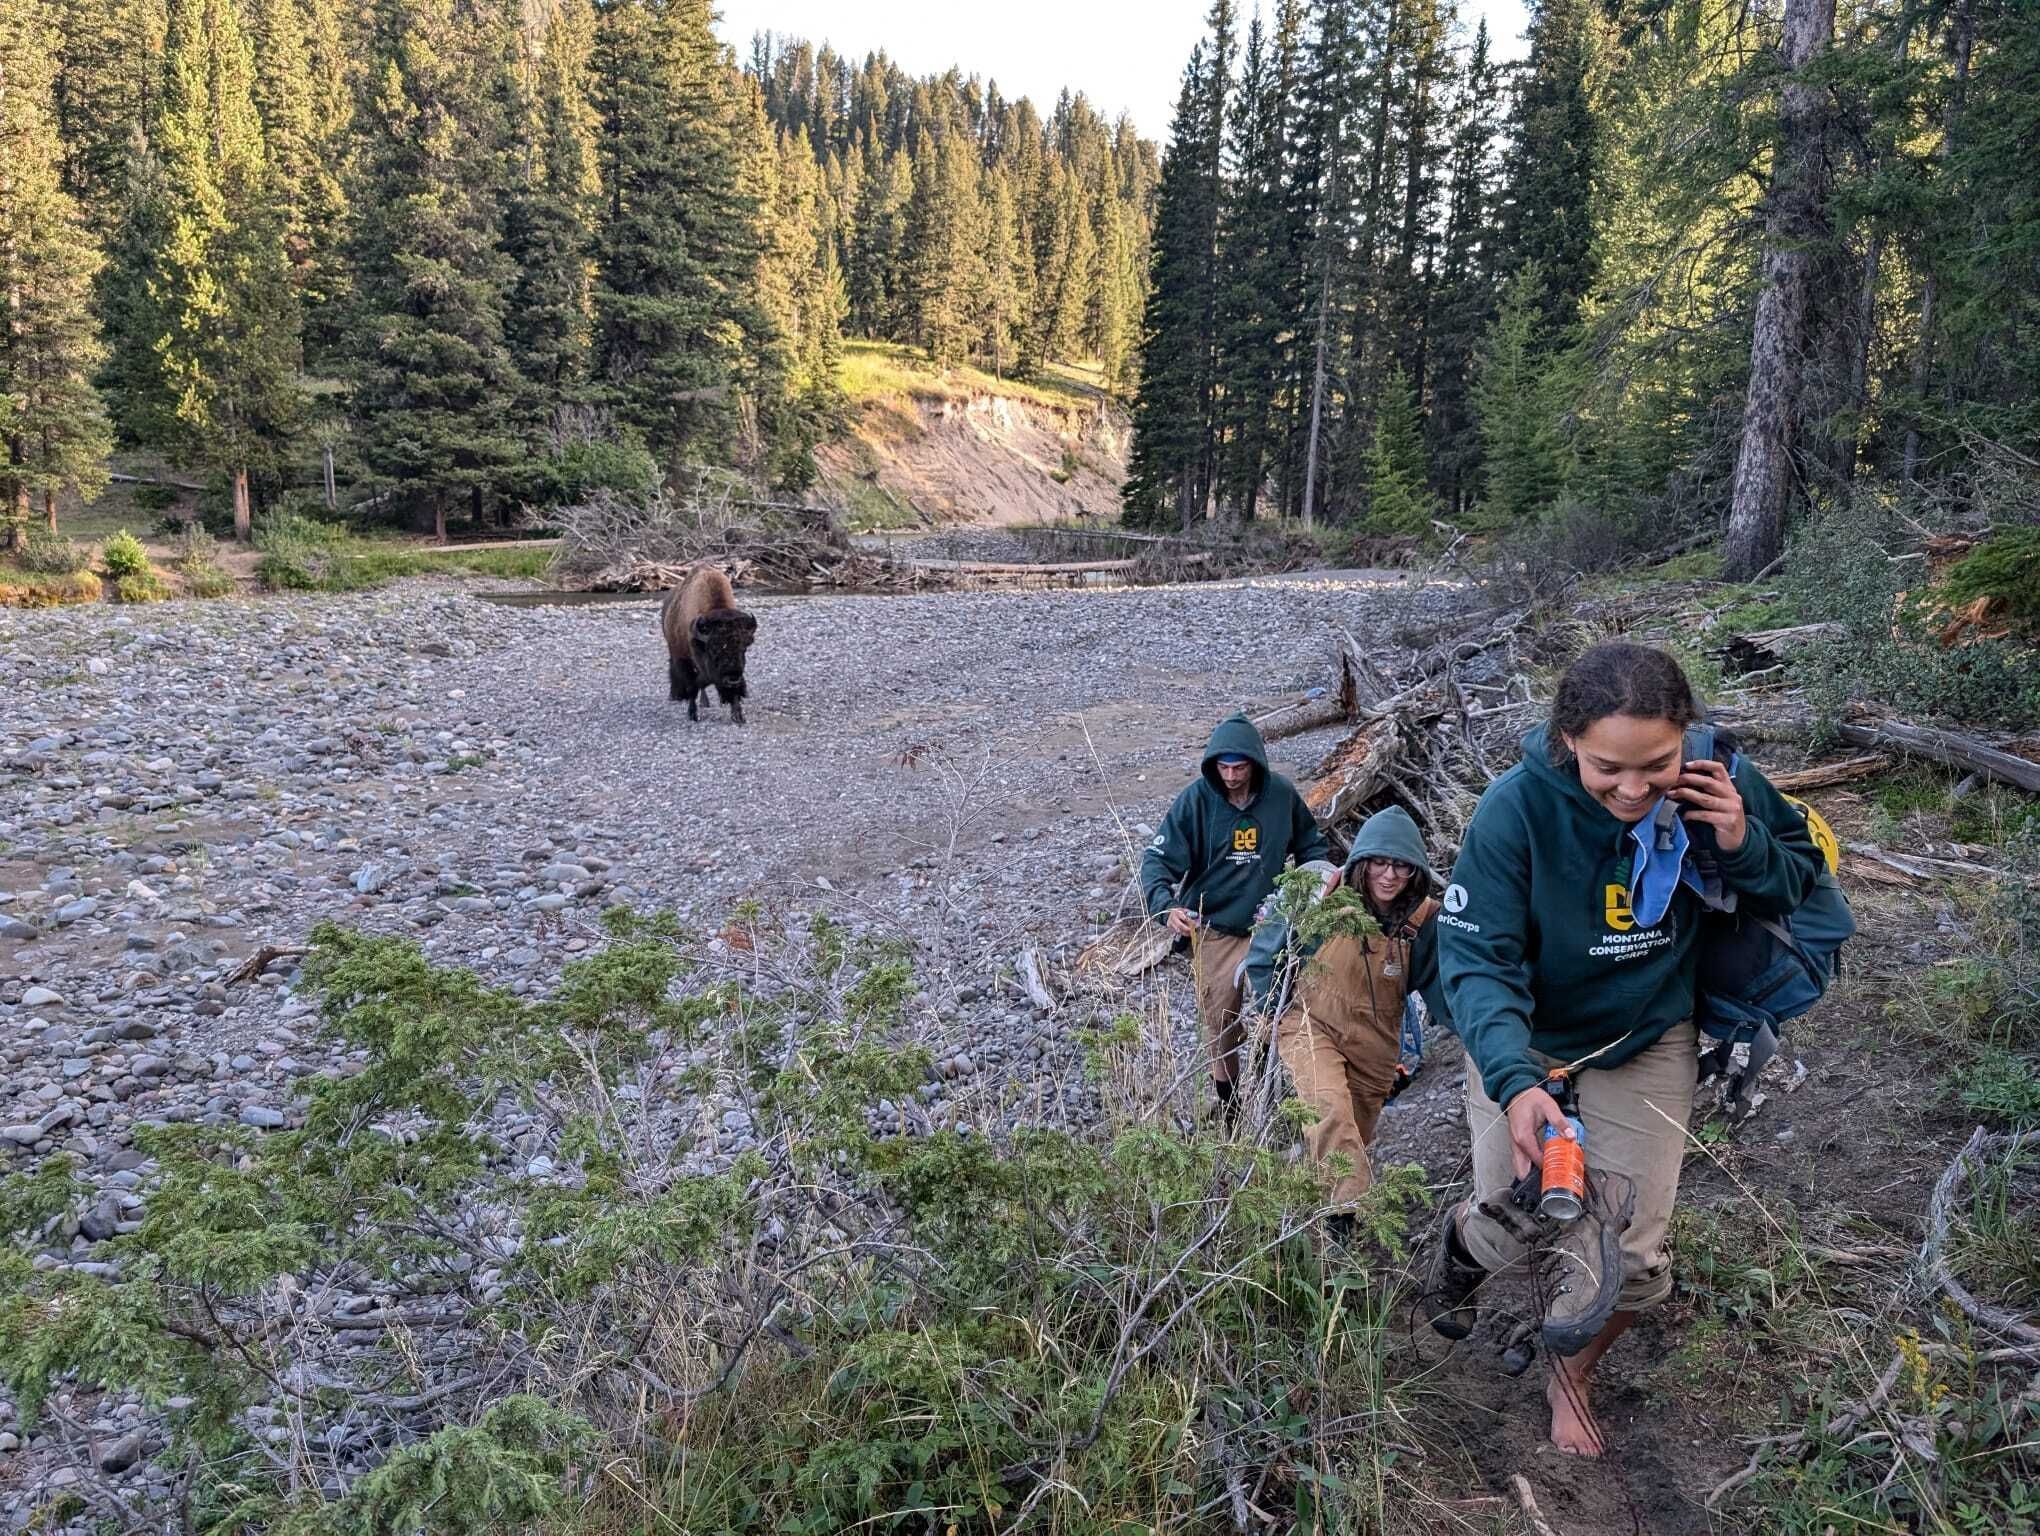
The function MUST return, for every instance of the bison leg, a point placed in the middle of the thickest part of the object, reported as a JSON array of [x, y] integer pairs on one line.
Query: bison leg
[[733, 695], [687, 683], [675, 674]]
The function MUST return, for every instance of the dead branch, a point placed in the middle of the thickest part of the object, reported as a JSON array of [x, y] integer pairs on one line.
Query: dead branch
[[261, 960], [1933, 1257]]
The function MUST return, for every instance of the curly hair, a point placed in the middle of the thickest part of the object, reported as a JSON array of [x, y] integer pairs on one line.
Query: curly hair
[[1618, 678]]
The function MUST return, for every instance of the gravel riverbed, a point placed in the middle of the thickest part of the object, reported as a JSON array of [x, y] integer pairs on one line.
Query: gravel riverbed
[[184, 784]]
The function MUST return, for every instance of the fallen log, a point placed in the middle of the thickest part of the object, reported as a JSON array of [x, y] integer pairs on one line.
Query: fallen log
[[1947, 748], [1923, 867], [1827, 775], [1354, 771]]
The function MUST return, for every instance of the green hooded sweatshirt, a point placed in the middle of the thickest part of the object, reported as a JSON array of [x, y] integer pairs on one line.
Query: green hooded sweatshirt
[[1538, 947], [1220, 861]]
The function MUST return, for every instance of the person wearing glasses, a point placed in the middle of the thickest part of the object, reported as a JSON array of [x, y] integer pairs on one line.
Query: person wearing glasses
[[1341, 1028]]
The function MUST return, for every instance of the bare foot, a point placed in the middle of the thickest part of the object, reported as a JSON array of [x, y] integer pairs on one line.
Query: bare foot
[[1573, 1429]]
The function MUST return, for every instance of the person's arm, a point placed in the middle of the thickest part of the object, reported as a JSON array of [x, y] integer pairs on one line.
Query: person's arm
[[1481, 952], [1307, 839], [1265, 956], [1777, 866], [1167, 859]]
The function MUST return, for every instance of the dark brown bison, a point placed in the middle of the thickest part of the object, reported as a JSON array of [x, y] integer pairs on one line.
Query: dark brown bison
[[706, 637]]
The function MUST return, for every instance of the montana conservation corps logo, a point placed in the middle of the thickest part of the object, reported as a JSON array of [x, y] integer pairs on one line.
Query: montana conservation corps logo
[[1619, 914], [1246, 840]]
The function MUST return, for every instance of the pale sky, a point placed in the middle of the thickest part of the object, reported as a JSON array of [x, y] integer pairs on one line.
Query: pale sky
[[1126, 55]]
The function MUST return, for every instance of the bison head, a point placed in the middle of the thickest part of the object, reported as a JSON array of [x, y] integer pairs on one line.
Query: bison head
[[718, 641]]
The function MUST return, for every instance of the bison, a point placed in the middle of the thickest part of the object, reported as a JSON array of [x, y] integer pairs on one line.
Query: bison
[[706, 637]]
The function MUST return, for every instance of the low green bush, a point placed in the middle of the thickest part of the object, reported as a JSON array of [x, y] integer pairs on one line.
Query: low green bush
[[823, 1310], [123, 555], [44, 553]]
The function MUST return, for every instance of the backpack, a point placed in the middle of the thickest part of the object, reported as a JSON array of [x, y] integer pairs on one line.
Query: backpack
[[1757, 973]]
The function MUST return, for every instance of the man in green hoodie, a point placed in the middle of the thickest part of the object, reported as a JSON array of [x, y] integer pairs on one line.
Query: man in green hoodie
[[1214, 861]]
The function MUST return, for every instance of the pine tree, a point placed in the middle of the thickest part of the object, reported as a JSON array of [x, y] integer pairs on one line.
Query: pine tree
[[1548, 172], [55, 435], [1252, 311], [304, 140], [230, 343], [1064, 251], [872, 270], [1513, 403], [109, 70], [433, 375], [1465, 300], [1399, 497], [944, 246], [677, 245], [548, 215], [132, 317], [996, 306], [1168, 412]]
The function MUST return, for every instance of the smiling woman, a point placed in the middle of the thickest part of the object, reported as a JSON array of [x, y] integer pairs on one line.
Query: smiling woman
[[1562, 959]]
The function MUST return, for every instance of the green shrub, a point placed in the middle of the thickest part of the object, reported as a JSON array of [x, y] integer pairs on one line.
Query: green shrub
[[2004, 568], [198, 565], [123, 555], [44, 553], [140, 587], [1889, 652], [152, 496], [861, 1318], [295, 553]]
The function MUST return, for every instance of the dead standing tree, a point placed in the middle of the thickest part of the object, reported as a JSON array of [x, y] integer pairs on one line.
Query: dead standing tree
[[1796, 223]]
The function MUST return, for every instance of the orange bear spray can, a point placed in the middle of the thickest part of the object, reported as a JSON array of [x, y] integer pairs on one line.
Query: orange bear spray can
[[1564, 1194]]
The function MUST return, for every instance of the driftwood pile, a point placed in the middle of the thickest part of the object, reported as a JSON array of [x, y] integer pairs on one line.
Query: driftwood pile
[[612, 543]]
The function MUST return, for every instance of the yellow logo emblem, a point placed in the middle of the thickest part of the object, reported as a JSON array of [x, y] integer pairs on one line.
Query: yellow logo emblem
[[1621, 917], [1246, 840], [1822, 834]]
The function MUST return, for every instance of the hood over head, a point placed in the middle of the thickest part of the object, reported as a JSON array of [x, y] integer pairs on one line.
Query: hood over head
[[1392, 834], [1235, 736]]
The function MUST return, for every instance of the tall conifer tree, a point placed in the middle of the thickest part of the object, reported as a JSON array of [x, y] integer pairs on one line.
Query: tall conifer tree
[[54, 435], [434, 379], [677, 248], [229, 342]]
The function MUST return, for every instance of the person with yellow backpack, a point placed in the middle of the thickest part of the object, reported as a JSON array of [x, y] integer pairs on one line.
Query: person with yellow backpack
[[1596, 879]]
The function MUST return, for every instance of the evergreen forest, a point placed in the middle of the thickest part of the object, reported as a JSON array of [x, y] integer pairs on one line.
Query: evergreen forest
[[492, 254], [1690, 265], [1687, 266]]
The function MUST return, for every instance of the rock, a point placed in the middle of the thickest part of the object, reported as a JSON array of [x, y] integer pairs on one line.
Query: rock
[[41, 997], [21, 1135], [262, 1117], [15, 928], [122, 1453], [76, 911]]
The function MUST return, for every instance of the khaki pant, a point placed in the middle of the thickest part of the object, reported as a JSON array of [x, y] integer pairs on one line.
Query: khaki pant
[[1625, 1134], [1214, 964], [1345, 1074]]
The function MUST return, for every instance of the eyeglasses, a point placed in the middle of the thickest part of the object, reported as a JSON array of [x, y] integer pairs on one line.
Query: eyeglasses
[[1377, 865]]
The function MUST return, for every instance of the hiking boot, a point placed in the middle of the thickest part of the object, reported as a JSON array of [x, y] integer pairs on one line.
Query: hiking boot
[[1579, 1282], [1403, 1075], [1450, 1281]]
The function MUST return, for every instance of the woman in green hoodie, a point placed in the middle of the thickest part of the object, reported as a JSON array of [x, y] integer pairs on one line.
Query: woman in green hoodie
[[1568, 938]]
